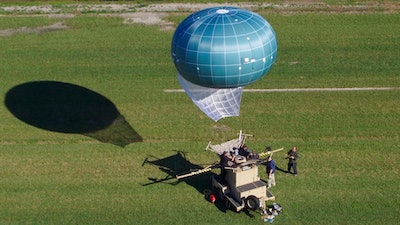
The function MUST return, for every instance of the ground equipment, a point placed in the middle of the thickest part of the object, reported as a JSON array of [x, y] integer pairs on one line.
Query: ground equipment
[[239, 185]]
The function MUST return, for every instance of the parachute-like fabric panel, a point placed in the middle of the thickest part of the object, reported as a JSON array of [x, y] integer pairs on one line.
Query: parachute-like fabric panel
[[215, 103]]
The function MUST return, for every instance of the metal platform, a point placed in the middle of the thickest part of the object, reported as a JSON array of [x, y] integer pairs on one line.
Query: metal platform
[[251, 186]]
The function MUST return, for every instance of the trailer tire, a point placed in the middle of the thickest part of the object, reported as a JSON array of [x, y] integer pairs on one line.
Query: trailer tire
[[220, 195], [227, 203], [252, 202]]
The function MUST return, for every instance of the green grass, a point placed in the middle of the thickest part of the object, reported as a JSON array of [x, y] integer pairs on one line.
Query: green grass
[[348, 141], [17, 22]]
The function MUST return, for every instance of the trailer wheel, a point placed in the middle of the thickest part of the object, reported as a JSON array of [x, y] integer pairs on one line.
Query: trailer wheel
[[220, 195], [252, 202], [228, 204]]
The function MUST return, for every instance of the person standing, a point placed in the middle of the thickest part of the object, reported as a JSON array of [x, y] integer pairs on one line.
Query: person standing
[[244, 151], [271, 168], [226, 160], [293, 156]]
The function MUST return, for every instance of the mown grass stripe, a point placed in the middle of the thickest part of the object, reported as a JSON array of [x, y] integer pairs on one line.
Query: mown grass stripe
[[306, 89]]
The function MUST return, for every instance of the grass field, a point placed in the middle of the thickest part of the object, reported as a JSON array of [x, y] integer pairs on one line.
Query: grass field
[[61, 162]]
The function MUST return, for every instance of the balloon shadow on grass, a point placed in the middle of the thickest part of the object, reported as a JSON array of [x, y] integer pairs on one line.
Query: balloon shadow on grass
[[68, 108], [177, 164]]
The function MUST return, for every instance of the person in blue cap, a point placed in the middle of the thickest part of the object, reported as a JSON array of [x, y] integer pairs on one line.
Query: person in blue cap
[[271, 168]]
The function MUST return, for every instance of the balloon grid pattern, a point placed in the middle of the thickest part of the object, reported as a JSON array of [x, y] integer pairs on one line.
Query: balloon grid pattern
[[223, 48]]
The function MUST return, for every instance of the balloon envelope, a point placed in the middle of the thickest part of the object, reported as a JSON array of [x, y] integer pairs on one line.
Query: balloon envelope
[[219, 50], [224, 47]]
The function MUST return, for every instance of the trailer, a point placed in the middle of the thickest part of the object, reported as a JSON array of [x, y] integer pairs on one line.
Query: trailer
[[239, 185], [242, 188]]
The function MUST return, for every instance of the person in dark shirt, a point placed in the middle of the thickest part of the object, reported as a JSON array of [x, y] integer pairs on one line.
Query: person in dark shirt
[[226, 160], [254, 155], [293, 156], [271, 168], [244, 151]]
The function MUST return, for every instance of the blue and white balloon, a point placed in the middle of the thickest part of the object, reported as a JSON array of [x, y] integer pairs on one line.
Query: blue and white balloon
[[222, 48]]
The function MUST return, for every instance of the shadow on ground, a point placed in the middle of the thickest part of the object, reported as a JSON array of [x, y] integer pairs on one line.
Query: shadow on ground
[[68, 108], [177, 164]]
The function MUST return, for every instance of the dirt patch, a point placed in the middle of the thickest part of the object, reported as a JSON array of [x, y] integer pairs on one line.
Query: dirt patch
[[155, 14], [37, 30], [148, 18], [281, 7]]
